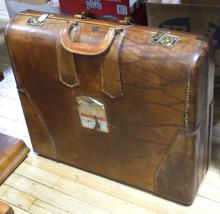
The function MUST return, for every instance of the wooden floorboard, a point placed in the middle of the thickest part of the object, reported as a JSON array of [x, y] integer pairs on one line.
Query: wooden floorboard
[[42, 186]]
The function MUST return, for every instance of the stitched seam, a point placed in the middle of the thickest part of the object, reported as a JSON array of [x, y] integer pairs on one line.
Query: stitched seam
[[188, 88], [187, 112], [40, 117]]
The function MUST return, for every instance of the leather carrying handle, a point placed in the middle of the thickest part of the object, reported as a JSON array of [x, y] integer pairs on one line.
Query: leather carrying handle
[[66, 67], [83, 48], [110, 70]]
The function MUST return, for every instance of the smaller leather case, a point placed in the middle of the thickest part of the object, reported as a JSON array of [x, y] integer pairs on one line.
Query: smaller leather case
[[5, 208], [12, 152]]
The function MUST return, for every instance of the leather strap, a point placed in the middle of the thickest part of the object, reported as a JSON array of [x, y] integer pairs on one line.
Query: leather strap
[[111, 75], [66, 67], [83, 48]]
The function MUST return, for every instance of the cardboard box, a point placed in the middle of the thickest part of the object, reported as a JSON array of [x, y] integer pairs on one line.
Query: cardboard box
[[197, 18], [113, 9]]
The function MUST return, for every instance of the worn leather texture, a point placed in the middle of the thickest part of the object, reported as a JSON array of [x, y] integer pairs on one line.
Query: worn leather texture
[[12, 152], [157, 100]]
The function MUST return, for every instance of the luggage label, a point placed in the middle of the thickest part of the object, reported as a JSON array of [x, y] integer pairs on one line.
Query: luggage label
[[92, 114]]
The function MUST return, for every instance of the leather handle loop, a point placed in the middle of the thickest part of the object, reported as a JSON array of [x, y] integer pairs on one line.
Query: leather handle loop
[[66, 67], [83, 48], [110, 69]]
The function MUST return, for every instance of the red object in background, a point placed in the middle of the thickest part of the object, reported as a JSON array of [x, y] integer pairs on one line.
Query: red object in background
[[112, 9]]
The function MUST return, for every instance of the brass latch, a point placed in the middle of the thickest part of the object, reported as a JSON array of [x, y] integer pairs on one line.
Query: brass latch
[[164, 39], [37, 21]]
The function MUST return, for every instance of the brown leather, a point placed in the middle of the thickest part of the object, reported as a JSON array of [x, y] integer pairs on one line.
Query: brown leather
[[111, 74], [5, 208], [12, 152], [157, 134], [66, 67]]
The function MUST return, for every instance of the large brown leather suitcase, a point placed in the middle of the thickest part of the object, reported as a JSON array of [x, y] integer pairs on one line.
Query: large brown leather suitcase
[[130, 103]]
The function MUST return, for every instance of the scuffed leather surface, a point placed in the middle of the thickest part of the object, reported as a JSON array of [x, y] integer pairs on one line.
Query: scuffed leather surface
[[40, 137], [177, 177]]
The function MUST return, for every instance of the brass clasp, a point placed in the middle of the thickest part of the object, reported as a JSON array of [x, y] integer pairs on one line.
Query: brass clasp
[[164, 39], [37, 21]]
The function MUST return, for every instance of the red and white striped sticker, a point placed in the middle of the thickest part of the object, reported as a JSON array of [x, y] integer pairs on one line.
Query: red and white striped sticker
[[92, 114]]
